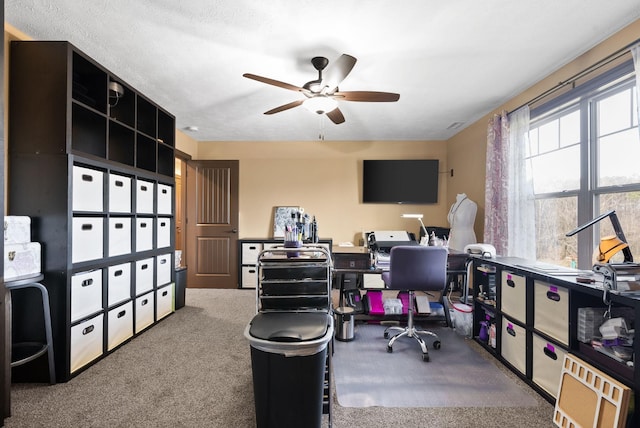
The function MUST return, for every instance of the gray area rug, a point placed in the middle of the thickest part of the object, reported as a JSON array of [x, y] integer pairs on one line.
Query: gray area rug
[[456, 376]]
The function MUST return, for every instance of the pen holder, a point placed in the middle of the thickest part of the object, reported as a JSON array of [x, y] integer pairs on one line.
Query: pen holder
[[293, 244]]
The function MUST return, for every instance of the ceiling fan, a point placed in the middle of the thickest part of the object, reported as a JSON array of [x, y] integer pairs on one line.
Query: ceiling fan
[[322, 95]]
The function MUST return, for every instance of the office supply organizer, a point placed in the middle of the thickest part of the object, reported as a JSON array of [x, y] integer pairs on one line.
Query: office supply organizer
[[294, 284], [298, 284]]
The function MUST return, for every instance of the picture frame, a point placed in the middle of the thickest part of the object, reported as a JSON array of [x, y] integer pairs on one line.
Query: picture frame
[[281, 216]]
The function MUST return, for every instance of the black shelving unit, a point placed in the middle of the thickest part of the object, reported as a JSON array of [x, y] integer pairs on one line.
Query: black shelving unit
[[94, 170]]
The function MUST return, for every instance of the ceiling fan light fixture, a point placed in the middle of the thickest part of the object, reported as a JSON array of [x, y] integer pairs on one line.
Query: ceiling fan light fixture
[[320, 104]]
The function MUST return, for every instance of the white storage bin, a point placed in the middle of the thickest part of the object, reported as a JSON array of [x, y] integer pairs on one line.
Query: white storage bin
[[86, 294], [22, 260], [250, 253], [88, 189], [119, 325], [119, 236], [514, 345], [392, 306], [513, 300], [86, 342], [144, 196], [119, 193], [87, 239], [249, 277], [144, 312], [17, 229], [164, 268], [165, 199], [118, 283], [164, 232], [551, 311], [164, 301], [144, 276], [144, 234], [547, 364]]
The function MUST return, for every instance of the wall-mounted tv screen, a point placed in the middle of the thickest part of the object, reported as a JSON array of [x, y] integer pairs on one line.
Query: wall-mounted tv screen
[[404, 181]]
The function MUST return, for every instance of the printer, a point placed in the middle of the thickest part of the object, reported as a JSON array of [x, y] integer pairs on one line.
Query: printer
[[380, 243]]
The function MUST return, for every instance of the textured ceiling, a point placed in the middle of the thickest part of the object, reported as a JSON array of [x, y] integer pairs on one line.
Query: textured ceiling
[[450, 61]]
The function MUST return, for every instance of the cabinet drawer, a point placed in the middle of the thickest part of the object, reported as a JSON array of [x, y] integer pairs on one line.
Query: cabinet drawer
[[165, 199], [513, 297], [87, 239], [119, 236], [250, 253], [144, 276], [144, 234], [551, 311], [547, 364], [86, 294], [164, 301], [88, 189], [144, 312], [249, 277], [163, 266], [119, 194], [86, 342], [514, 345], [119, 325], [118, 283], [144, 196], [164, 232]]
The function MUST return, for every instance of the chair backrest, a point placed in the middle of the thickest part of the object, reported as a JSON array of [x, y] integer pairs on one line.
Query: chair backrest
[[417, 268]]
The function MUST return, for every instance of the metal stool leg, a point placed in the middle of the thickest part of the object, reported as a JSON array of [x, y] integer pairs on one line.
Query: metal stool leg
[[48, 346]]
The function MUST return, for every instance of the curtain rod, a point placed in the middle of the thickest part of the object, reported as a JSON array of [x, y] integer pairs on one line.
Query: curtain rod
[[606, 60]]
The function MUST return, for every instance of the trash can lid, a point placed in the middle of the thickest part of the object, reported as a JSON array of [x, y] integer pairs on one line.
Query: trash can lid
[[289, 326]]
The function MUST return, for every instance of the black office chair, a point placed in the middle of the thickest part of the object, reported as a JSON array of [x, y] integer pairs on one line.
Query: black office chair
[[416, 268]]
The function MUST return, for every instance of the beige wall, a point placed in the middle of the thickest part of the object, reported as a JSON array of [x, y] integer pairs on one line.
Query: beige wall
[[325, 178]]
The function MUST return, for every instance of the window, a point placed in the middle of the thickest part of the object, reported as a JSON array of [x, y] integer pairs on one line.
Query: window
[[584, 152]]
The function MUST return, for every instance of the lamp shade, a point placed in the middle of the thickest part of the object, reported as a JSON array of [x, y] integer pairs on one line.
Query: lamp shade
[[609, 246]]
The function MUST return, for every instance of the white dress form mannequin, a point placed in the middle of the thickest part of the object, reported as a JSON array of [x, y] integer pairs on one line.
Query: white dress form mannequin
[[461, 217]]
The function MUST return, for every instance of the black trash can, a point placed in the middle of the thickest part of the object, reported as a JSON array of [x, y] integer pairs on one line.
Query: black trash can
[[181, 284], [288, 360]]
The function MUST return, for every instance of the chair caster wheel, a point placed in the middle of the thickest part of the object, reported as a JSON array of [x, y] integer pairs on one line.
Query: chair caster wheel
[[425, 358], [386, 335], [389, 349], [436, 344]]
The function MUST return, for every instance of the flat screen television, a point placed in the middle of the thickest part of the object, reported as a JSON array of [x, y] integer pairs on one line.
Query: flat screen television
[[404, 181]]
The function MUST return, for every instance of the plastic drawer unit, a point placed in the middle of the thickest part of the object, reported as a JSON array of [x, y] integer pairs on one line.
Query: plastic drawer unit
[[551, 311], [547, 360], [513, 297], [513, 340]]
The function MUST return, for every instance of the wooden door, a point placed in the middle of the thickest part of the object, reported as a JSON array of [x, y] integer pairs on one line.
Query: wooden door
[[212, 224]]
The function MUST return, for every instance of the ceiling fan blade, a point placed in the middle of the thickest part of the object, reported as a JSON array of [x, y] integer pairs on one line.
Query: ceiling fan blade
[[337, 71], [284, 107], [367, 96], [336, 116], [274, 82]]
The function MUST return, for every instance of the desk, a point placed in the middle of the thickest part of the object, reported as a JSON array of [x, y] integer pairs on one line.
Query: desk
[[457, 263]]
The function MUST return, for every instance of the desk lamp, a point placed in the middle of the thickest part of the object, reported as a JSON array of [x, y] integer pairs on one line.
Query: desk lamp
[[419, 217], [612, 244]]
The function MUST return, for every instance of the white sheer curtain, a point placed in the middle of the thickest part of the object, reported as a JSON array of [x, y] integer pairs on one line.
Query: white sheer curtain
[[635, 52], [509, 203], [521, 228]]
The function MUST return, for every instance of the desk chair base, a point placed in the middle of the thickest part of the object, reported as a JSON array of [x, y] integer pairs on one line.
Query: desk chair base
[[412, 331]]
